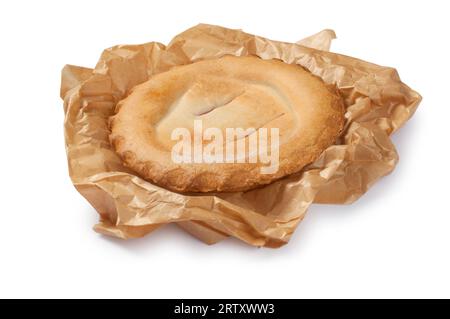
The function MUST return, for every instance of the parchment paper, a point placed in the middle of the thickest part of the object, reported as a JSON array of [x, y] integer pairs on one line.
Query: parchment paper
[[377, 102]]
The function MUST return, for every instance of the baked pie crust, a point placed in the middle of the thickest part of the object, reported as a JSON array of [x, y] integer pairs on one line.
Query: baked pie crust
[[228, 92]]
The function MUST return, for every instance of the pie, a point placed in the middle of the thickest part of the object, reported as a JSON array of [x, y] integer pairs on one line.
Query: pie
[[283, 102]]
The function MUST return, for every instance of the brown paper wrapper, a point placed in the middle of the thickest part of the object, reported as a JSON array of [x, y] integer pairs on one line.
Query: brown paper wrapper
[[377, 102]]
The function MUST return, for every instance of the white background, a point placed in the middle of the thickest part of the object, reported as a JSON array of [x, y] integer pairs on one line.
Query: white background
[[393, 242]]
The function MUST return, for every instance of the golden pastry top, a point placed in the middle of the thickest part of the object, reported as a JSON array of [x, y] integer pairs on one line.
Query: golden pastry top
[[229, 92]]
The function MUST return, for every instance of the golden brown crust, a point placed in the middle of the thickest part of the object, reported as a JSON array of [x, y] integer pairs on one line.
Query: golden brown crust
[[226, 92]]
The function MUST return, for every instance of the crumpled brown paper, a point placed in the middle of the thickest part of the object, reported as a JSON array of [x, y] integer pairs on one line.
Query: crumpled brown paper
[[378, 104]]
